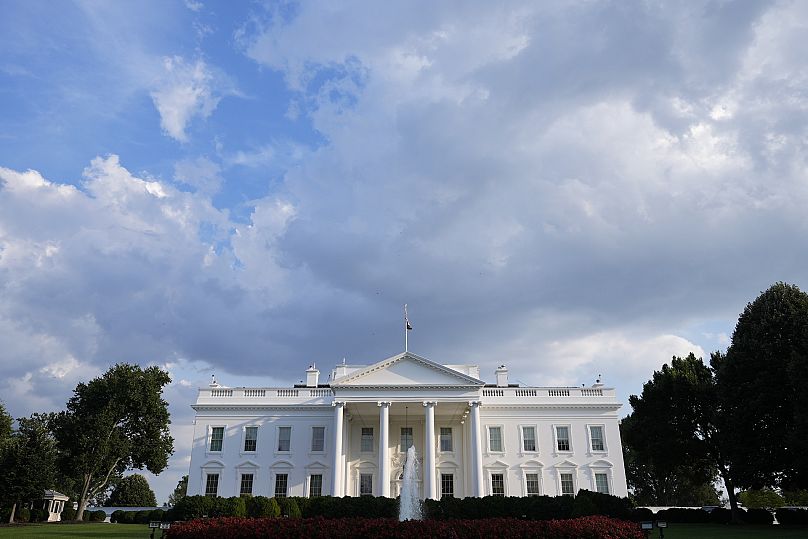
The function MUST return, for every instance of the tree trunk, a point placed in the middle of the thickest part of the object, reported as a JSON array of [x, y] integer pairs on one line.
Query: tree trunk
[[11, 516], [83, 498], [733, 500]]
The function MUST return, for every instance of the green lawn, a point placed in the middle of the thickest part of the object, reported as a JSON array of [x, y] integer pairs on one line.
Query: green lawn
[[88, 529], [719, 531]]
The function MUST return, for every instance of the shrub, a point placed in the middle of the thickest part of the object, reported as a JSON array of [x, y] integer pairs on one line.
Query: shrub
[[68, 513], [39, 515], [289, 507], [758, 516], [641, 514], [262, 507], [723, 516], [116, 515], [23, 514], [98, 516], [788, 516], [347, 528], [156, 515], [684, 515], [192, 507]]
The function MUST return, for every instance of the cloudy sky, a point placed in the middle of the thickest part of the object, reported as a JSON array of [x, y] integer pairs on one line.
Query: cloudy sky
[[569, 188]]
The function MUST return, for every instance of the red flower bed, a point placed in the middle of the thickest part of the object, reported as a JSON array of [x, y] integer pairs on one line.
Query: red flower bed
[[594, 527]]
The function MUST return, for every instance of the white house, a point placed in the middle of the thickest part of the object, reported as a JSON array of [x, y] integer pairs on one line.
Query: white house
[[349, 437]]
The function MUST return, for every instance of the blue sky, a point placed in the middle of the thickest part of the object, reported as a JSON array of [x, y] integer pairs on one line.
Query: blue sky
[[245, 188]]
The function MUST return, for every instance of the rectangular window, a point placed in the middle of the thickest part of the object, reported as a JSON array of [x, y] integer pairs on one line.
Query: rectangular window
[[446, 439], [532, 481], [315, 485], [497, 484], [446, 485], [602, 483], [284, 438], [596, 437], [250, 438], [495, 439], [563, 438], [281, 482], [567, 485], [367, 440], [246, 483], [318, 438], [216, 438], [366, 484], [529, 439], [212, 485], [406, 438]]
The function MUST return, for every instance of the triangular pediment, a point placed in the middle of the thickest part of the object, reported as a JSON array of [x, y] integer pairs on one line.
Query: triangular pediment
[[407, 370]]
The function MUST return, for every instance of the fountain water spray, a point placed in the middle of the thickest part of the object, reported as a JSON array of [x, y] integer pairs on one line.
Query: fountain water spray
[[410, 504]]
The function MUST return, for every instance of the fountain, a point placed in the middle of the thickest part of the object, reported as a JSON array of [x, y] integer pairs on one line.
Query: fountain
[[410, 504]]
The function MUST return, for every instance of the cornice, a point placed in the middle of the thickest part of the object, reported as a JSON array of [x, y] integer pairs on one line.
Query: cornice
[[408, 387]]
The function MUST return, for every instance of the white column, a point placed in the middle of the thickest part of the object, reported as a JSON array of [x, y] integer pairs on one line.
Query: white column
[[429, 453], [476, 451], [336, 468], [384, 442]]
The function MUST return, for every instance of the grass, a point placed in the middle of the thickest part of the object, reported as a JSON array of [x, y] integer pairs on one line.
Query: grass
[[723, 531], [85, 529]]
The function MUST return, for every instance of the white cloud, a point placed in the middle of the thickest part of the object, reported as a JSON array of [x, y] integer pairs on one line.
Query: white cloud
[[185, 91], [200, 173]]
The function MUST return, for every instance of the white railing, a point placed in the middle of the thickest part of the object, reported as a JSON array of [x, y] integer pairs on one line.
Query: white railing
[[253, 393], [546, 392]]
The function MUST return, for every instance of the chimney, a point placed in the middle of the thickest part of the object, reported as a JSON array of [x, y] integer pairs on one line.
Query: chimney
[[502, 376], [312, 376]]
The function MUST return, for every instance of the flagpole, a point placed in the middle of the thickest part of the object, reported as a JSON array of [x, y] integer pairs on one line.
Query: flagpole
[[406, 331]]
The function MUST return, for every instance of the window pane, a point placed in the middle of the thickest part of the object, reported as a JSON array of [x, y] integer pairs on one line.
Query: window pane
[[563, 438], [447, 485], [529, 438], [498, 484], [250, 438], [284, 438], [446, 439], [246, 483], [532, 480], [281, 480], [212, 484], [567, 486], [317, 438], [367, 440], [316, 486], [365, 484], [602, 483], [596, 434], [494, 439], [406, 438], [216, 437]]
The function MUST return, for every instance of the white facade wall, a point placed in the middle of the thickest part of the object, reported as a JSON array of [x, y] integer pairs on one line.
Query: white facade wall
[[407, 382]]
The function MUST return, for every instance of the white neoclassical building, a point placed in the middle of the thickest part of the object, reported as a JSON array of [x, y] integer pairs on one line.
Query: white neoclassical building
[[349, 437]]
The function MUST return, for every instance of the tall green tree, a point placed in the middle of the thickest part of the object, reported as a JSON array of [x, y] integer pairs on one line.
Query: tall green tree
[[762, 383], [658, 477], [132, 491], [28, 462], [114, 423], [674, 434], [180, 491], [5, 425]]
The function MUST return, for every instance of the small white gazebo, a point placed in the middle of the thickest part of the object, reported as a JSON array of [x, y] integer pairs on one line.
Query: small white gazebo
[[54, 503]]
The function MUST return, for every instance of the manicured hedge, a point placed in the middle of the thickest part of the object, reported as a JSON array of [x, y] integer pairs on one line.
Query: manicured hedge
[[592, 527], [758, 516], [683, 515], [792, 516]]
